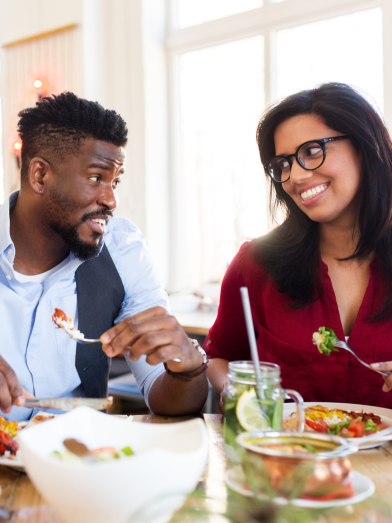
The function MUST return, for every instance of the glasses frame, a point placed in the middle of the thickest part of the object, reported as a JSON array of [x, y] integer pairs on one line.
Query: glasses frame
[[289, 157]]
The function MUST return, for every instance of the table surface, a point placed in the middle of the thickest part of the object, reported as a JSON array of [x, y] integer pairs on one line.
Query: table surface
[[198, 322], [18, 493]]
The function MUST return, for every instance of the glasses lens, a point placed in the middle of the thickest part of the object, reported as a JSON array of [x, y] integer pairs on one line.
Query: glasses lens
[[279, 168], [311, 155]]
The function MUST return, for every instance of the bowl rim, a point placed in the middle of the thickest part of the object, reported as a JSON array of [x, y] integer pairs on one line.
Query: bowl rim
[[338, 440]]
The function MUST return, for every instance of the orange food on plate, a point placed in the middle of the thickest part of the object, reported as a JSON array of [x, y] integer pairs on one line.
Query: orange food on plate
[[10, 427], [7, 443], [337, 421]]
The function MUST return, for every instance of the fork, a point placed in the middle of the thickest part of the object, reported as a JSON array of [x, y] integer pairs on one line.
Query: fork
[[86, 341], [346, 346]]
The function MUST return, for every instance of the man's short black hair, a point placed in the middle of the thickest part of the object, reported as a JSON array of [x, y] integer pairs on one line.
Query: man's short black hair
[[57, 125]]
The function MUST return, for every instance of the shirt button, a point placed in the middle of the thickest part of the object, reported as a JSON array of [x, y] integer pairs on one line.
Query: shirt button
[[8, 277], [32, 354], [9, 252]]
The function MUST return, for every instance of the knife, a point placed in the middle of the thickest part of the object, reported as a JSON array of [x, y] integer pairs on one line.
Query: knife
[[70, 403]]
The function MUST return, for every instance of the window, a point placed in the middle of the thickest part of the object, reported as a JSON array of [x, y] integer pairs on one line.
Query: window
[[353, 56], [191, 12], [221, 99], [228, 60]]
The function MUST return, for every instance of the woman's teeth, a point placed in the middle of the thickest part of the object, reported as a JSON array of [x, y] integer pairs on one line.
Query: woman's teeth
[[313, 192]]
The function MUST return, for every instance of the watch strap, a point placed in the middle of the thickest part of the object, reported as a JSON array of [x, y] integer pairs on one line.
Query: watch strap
[[186, 376]]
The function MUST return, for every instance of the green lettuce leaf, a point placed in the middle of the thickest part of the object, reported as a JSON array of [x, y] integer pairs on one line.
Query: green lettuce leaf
[[325, 340]]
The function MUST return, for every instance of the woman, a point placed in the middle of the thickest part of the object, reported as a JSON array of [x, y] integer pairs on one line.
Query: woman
[[328, 157]]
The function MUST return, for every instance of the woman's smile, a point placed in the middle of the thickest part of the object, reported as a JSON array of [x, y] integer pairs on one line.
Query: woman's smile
[[328, 193], [312, 194]]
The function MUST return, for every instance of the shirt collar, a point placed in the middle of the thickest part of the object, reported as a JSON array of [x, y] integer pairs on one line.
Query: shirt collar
[[5, 238]]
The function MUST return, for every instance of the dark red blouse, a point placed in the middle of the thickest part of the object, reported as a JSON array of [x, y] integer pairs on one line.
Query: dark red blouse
[[284, 335]]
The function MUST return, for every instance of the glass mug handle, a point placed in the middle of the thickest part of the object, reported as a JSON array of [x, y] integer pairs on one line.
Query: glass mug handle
[[294, 395]]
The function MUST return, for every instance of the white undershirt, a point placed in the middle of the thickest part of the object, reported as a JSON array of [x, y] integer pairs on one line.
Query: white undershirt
[[40, 278]]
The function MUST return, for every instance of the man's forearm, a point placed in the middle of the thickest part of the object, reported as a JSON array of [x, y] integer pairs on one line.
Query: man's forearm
[[172, 397]]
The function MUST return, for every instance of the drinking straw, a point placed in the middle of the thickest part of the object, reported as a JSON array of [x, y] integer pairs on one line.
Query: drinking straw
[[252, 339]]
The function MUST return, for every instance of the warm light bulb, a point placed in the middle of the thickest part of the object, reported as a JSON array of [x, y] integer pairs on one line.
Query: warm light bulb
[[17, 146], [37, 84]]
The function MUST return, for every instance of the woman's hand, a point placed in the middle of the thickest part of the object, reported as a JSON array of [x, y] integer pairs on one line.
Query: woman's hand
[[387, 367], [156, 334], [222, 397]]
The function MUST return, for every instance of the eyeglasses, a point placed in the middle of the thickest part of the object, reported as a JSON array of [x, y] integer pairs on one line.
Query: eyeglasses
[[310, 155]]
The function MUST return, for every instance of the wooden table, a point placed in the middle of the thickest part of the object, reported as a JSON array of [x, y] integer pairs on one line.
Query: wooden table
[[198, 322], [19, 494]]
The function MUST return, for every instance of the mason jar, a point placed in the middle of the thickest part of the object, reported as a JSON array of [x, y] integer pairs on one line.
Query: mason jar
[[250, 406]]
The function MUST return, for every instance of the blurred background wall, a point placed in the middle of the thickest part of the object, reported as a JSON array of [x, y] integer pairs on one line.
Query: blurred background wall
[[191, 78]]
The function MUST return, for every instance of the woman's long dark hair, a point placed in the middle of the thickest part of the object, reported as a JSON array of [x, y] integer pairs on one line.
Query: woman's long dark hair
[[291, 251]]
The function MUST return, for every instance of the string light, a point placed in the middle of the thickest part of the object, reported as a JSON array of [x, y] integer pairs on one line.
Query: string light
[[37, 84], [17, 146]]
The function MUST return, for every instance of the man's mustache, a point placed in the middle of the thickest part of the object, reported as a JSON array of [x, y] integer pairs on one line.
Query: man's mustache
[[95, 214]]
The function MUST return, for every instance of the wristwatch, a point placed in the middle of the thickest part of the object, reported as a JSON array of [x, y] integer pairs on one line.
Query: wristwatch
[[199, 349], [188, 376]]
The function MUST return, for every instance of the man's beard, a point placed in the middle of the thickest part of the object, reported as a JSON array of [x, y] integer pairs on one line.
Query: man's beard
[[81, 249], [63, 206]]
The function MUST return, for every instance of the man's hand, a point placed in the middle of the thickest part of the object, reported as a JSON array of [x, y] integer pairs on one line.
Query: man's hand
[[385, 366], [157, 334], [11, 392]]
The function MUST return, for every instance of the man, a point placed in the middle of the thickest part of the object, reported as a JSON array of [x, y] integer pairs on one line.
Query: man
[[60, 247]]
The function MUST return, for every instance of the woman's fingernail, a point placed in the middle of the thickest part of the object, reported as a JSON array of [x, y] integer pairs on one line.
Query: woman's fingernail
[[105, 338], [20, 400], [375, 365], [109, 351], [385, 388]]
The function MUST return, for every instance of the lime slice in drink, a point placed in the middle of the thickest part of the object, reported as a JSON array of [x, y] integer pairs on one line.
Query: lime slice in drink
[[249, 413]]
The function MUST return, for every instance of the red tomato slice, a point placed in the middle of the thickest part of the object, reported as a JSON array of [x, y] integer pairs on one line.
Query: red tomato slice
[[319, 425], [381, 426], [358, 428]]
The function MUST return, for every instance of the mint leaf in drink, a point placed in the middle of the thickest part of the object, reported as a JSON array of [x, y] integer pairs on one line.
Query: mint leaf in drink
[[325, 340]]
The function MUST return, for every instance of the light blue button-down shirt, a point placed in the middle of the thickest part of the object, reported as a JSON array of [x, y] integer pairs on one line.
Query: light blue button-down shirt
[[42, 355]]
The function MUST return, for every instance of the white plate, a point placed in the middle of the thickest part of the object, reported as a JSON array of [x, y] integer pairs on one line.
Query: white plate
[[385, 415], [16, 462], [362, 485]]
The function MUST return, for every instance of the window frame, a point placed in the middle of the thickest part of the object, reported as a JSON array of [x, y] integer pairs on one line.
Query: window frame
[[265, 21]]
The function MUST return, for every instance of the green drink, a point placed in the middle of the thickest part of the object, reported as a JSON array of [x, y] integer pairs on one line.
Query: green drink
[[245, 411]]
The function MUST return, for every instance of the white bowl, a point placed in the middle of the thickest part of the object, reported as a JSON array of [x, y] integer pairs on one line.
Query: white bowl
[[168, 462], [183, 302]]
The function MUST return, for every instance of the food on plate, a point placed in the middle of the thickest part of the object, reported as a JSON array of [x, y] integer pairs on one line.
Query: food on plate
[[325, 340], [336, 421], [102, 454], [10, 429], [8, 445], [65, 322], [40, 418]]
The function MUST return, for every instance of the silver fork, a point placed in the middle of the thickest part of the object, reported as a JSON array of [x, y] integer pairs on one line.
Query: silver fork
[[346, 346], [86, 341]]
